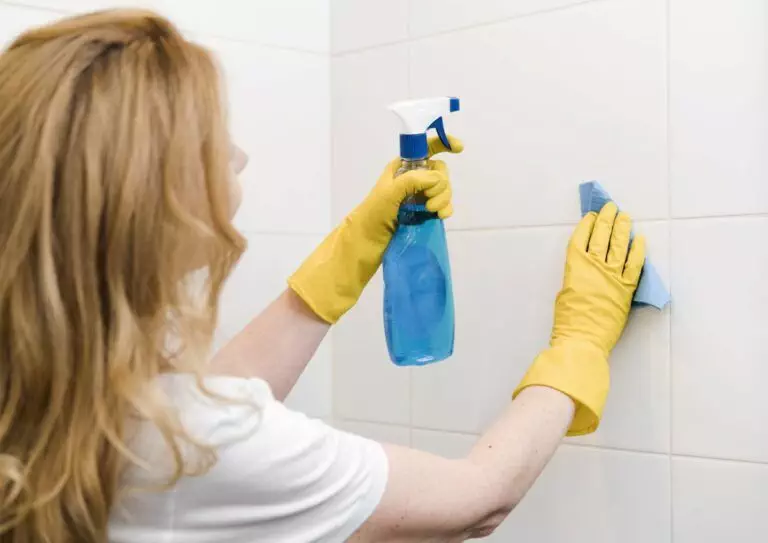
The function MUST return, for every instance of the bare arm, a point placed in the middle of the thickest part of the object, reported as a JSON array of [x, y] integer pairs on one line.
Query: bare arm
[[429, 498], [275, 346]]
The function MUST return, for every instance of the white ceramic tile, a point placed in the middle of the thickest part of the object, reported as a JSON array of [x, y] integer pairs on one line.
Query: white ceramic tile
[[718, 107], [443, 444], [715, 501], [550, 101], [383, 433], [719, 347], [432, 16], [366, 385], [279, 111], [504, 304], [356, 24], [260, 276], [89, 5], [595, 496], [637, 414], [16, 19], [505, 283], [365, 133], [299, 24], [584, 495]]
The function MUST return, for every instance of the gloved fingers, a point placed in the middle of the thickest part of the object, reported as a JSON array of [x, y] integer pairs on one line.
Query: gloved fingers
[[446, 212], [441, 200], [441, 186], [393, 166], [635, 260], [438, 165], [415, 181], [617, 252], [580, 237], [436, 145], [601, 235]]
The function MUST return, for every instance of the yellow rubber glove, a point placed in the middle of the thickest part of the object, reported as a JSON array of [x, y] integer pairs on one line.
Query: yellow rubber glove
[[601, 276], [331, 280]]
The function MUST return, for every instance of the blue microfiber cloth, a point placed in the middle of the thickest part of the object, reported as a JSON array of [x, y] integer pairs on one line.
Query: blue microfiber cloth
[[651, 290]]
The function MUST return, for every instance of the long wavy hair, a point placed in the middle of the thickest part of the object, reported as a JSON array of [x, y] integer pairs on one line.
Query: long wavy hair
[[114, 189]]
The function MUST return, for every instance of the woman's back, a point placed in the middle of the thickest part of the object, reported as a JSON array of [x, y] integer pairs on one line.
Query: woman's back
[[279, 475]]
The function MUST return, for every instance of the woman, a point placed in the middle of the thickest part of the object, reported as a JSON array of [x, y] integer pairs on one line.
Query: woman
[[117, 186]]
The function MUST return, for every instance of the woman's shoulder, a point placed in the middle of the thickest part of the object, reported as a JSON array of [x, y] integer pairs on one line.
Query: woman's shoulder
[[189, 387], [217, 409], [277, 471]]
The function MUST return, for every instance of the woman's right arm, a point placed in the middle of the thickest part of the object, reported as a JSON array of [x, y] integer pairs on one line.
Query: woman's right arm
[[429, 498]]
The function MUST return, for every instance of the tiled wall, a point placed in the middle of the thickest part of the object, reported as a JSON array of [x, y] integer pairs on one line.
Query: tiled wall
[[666, 103], [277, 71]]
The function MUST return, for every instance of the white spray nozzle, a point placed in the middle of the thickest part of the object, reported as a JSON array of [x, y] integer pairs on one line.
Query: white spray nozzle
[[418, 116]]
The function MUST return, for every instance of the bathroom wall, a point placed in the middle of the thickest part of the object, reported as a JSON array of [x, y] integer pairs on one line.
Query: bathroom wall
[[277, 72], [665, 102]]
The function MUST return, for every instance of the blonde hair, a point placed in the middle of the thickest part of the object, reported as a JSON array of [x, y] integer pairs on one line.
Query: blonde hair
[[114, 186]]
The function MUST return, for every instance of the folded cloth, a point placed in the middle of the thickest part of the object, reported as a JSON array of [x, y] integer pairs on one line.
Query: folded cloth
[[651, 290]]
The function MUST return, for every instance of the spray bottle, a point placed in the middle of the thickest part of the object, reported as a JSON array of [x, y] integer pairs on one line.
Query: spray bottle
[[418, 296]]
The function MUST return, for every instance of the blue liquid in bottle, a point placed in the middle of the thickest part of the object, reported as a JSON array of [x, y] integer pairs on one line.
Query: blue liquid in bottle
[[418, 298]]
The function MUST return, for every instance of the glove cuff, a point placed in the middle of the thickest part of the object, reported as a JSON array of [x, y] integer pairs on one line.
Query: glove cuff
[[578, 370], [332, 278], [313, 301]]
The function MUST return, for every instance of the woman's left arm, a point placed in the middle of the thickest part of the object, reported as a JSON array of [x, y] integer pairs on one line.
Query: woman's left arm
[[275, 346]]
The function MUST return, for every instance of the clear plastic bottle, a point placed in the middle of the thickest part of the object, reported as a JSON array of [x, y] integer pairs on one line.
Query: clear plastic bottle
[[418, 296]]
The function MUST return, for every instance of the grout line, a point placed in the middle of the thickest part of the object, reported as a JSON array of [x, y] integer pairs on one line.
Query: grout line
[[367, 48], [36, 8], [468, 27], [669, 455], [193, 34], [503, 20], [720, 459], [332, 332], [668, 128], [449, 432], [409, 94], [297, 234], [641, 221], [419, 428], [329, 43], [408, 64], [410, 407], [616, 449], [264, 45], [508, 228], [749, 215]]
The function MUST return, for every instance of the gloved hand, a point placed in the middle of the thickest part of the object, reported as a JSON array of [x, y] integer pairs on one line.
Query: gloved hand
[[601, 276], [331, 280]]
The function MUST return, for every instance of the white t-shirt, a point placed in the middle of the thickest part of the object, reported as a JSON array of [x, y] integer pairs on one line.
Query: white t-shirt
[[280, 476]]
